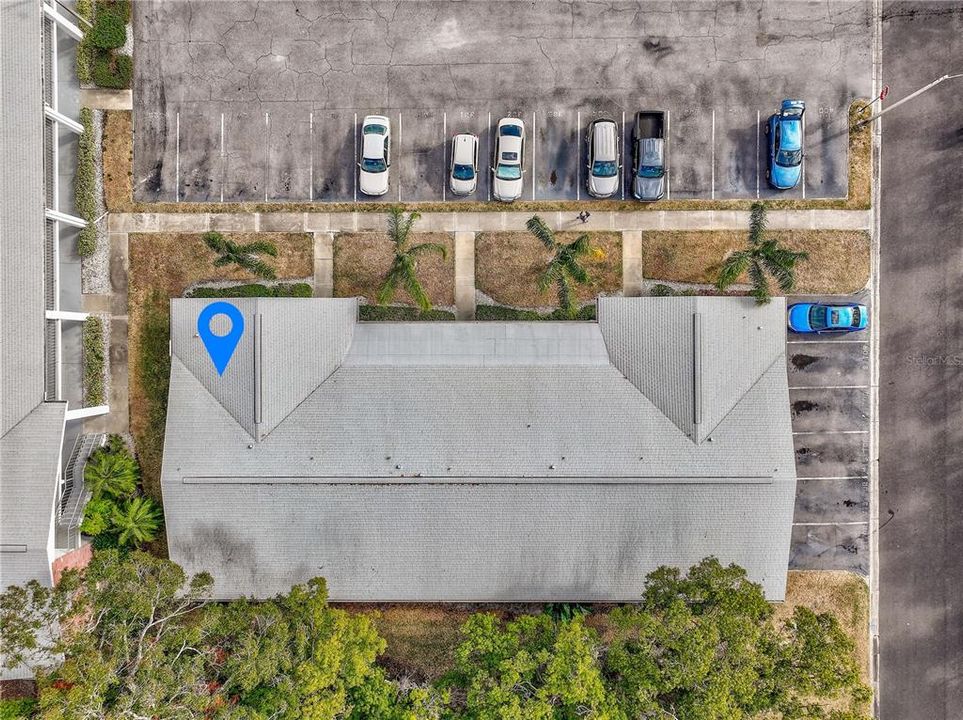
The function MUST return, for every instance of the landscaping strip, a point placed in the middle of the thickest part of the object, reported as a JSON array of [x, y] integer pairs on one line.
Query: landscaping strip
[[96, 335], [500, 312], [299, 290], [395, 313], [85, 185]]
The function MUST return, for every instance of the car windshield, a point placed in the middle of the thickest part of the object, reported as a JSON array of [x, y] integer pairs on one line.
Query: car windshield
[[789, 158], [650, 171], [856, 317], [817, 317], [374, 130], [601, 168], [373, 166], [463, 172], [513, 130], [508, 172]]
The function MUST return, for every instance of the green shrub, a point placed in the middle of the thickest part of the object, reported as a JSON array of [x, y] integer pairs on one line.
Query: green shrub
[[85, 48], [93, 358], [391, 313], [17, 708], [300, 290], [109, 30], [661, 290], [97, 516], [500, 312], [153, 368], [112, 71], [120, 8], [85, 185]]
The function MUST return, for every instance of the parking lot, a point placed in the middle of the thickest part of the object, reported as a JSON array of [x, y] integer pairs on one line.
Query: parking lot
[[829, 395], [248, 101]]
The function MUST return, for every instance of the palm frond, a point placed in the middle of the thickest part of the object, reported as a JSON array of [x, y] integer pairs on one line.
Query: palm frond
[[395, 222], [732, 269], [537, 227], [757, 223], [760, 284], [393, 278], [416, 291], [257, 267], [408, 223], [215, 241], [565, 299], [576, 271], [548, 277], [260, 247], [582, 245], [223, 260], [428, 247]]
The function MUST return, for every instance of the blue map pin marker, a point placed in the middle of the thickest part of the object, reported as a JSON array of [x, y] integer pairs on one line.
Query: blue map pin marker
[[220, 347]]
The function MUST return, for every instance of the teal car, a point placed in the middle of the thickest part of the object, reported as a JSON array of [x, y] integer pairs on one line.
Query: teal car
[[784, 138], [827, 319]]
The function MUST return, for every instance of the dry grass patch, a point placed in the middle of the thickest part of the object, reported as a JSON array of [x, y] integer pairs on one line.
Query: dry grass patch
[[838, 259], [361, 261], [508, 265], [163, 266], [118, 153]]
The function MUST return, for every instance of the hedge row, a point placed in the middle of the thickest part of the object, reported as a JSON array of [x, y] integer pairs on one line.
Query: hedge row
[[392, 313], [97, 59], [85, 185], [500, 312], [94, 361], [299, 290]]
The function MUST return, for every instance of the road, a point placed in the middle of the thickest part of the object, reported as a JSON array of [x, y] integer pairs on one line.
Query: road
[[921, 367]]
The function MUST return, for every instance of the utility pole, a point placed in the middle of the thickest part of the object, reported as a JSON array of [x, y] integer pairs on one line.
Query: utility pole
[[909, 97]]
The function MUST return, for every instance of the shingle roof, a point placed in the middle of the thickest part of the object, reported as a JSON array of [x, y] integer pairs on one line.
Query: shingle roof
[[483, 461], [21, 212]]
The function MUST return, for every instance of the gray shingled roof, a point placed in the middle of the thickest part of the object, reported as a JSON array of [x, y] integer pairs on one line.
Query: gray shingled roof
[[483, 461]]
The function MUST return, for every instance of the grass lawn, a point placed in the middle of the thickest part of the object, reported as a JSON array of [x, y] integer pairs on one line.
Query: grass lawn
[[838, 259], [163, 266], [508, 264], [117, 145], [361, 261]]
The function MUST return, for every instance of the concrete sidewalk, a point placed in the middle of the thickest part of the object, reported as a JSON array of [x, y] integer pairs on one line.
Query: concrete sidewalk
[[488, 221]]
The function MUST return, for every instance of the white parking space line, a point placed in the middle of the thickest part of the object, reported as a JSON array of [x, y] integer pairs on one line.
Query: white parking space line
[[444, 140], [668, 142], [177, 160], [267, 153], [311, 170], [223, 172], [758, 122], [578, 158], [622, 143], [355, 169], [825, 342], [713, 190], [831, 432], [490, 162], [828, 387], [835, 477], [803, 170], [534, 153], [823, 524], [398, 172]]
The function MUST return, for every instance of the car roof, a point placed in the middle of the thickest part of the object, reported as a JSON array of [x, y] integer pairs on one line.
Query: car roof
[[374, 146], [376, 120], [791, 137], [463, 148], [604, 144], [512, 144]]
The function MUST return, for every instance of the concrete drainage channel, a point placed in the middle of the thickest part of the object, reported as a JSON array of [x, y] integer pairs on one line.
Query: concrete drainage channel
[[829, 395]]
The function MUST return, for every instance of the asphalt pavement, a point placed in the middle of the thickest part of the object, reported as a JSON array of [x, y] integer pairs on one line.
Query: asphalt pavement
[[921, 367]]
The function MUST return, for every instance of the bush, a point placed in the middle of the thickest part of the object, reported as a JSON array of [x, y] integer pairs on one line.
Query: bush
[[85, 48], [17, 708], [299, 290], [93, 358], [112, 71], [109, 30], [661, 290], [502, 313], [120, 8], [97, 514], [390, 313], [85, 185]]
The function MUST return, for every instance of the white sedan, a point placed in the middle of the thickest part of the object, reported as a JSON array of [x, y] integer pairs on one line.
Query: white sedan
[[463, 174], [509, 157], [375, 155]]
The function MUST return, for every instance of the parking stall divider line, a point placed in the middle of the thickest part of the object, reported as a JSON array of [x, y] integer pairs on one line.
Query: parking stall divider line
[[444, 150], [668, 145], [354, 171], [488, 171], [803, 169], [758, 122], [825, 342], [578, 156], [177, 159], [267, 152], [713, 169], [311, 154], [828, 387], [622, 144], [832, 432], [534, 153], [223, 161], [835, 477], [818, 524]]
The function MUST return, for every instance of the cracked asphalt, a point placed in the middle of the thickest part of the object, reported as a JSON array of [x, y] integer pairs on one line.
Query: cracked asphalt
[[247, 100], [829, 399]]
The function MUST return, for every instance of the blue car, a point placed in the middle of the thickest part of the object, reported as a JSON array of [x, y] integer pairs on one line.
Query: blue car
[[784, 138], [822, 319]]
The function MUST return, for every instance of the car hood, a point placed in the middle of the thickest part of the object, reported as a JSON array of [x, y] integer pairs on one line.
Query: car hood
[[373, 183], [603, 186], [644, 188], [463, 187], [784, 177], [506, 189], [799, 317], [652, 152]]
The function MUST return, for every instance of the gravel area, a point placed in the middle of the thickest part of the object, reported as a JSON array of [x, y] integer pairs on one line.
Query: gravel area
[[95, 270]]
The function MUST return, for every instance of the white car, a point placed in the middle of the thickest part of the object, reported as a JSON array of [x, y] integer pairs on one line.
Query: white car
[[509, 157], [604, 159], [375, 155], [463, 173]]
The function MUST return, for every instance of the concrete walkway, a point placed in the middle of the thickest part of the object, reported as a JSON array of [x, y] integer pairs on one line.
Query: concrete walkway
[[101, 99]]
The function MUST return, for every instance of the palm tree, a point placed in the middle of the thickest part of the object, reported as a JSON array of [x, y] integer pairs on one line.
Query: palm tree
[[111, 473], [564, 267], [244, 256], [761, 257], [137, 521], [404, 266]]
